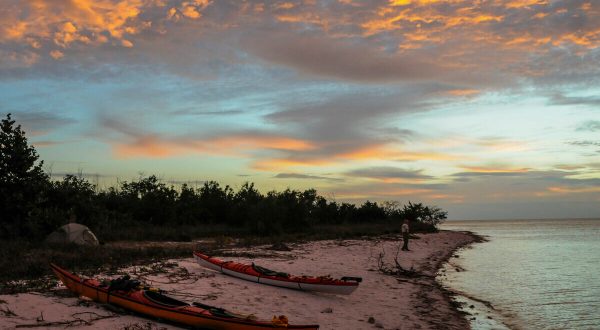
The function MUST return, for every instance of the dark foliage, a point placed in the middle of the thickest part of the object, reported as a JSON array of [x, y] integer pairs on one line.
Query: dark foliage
[[22, 182], [31, 205]]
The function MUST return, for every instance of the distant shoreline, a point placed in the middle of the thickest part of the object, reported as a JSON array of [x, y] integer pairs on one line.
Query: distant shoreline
[[521, 219]]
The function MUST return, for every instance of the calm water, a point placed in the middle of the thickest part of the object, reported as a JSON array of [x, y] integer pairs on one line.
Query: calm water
[[537, 274]]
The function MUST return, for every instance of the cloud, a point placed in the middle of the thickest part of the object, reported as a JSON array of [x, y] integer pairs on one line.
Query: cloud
[[305, 177], [574, 177], [191, 112], [476, 45], [132, 141], [355, 125], [387, 173], [585, 143], [157, 146], [590, 125], [322, 56], [559, 99], [41, 122], [474, 172]]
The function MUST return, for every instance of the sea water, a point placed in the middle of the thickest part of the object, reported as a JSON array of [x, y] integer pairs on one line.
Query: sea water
[[530, 274]]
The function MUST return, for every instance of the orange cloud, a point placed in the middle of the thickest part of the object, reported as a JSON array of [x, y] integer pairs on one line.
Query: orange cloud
[[57, 54], [384, 152], [153, 146], [447, 197], [463, 92], [400, 180], [259, 142], [369, 153], [573, 190], [400, 2], [525, 3], [285, 5], [149, 146], [88, 22], [69, 21], [383, 193], [498, 145]]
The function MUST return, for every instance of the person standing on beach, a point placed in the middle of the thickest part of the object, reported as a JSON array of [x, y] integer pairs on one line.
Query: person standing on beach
[[405, 233]]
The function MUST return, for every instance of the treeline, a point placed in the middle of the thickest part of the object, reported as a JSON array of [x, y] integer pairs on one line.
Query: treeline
[[32, 205]]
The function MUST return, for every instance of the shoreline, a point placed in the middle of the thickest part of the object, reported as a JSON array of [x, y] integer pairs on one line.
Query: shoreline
[[381, 301]]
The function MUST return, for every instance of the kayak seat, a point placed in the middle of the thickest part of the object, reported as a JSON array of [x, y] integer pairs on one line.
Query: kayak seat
[[268, 272], [352, 278], [161, 299]]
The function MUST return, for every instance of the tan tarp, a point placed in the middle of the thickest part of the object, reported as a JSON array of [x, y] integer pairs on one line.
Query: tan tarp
[[73, 233]]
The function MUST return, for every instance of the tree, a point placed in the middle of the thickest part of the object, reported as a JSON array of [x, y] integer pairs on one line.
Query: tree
[[424, 217], [151, 200], [22, 180]]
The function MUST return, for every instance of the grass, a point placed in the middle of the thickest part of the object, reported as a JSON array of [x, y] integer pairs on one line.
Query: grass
[[25, 264]]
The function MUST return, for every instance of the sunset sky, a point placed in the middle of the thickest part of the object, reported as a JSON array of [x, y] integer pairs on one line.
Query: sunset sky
[[487, 109]]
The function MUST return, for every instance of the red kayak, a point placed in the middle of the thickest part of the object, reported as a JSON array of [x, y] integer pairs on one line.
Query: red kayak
[[129, 295], [254, 273]]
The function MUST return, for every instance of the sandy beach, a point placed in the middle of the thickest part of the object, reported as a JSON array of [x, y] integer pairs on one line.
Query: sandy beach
[[381, 301]]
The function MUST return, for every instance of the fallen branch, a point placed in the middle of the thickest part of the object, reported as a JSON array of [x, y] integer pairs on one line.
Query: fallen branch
[[396, 269], [77, 321], [7, 312]]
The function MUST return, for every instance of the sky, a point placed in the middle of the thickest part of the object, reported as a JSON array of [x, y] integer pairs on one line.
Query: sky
[[487, 109]]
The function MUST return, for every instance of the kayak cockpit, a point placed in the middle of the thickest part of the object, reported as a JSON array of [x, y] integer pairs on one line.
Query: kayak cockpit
[[161, 299]]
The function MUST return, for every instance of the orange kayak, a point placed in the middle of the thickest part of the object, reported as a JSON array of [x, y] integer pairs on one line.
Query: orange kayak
[[157, 305], [254, 273]]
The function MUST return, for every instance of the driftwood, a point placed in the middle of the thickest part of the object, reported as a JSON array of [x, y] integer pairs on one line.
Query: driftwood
[[396, 269], [174, 274], [7, 312], [77, 320], [143, 326]]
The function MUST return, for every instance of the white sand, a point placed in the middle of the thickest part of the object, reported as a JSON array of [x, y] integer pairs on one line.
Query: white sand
[[405, 303]]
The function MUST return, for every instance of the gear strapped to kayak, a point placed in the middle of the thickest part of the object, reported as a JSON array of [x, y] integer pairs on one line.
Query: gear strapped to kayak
[[123, 283]]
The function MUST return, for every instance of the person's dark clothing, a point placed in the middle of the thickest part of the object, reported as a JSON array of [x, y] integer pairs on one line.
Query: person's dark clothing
[[405, 239], [405, 234]]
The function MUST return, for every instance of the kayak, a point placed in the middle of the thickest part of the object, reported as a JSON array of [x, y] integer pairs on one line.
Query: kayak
[[128, 294], [258, 274]]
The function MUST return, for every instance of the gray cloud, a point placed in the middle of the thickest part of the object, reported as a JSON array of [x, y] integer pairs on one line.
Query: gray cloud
[[532, 177], [321, 56], [466, 175], [349, 121], [386, 172], [42, 121], [191, 112], [585, 143], [559, 99], [590, 125], [305, 176]]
